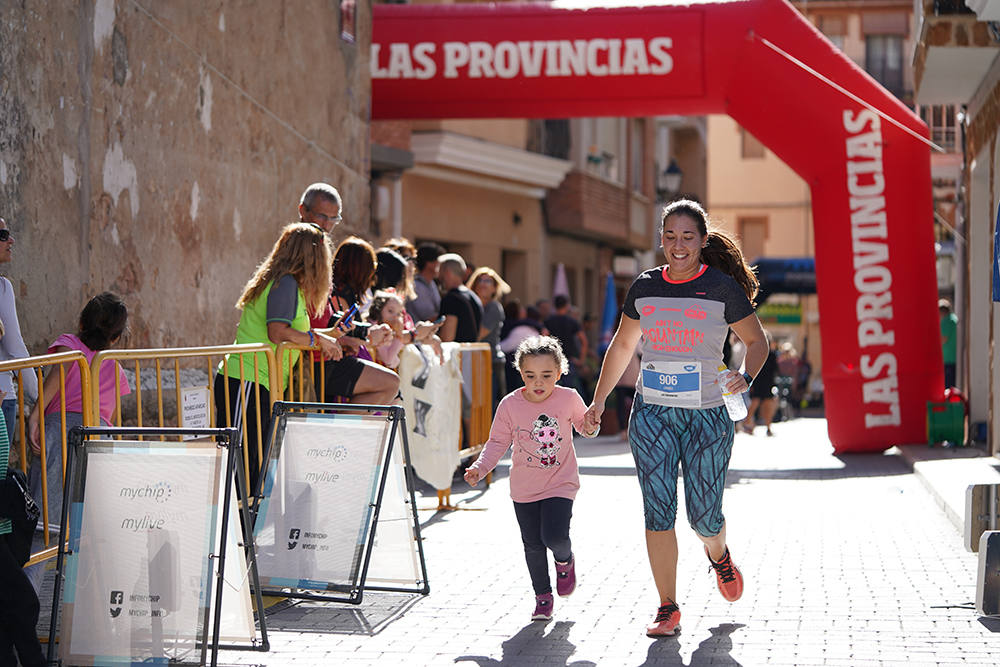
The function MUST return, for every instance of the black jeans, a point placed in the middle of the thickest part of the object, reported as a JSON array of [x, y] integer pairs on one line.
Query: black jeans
[[544, 525], [245, 422], [18, 614]]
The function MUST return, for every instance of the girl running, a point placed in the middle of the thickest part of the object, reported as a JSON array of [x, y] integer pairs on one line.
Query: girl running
[[538, 420]]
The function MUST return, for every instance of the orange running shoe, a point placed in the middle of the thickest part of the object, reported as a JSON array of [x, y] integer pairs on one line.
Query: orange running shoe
[[727, 576], [667, 622]]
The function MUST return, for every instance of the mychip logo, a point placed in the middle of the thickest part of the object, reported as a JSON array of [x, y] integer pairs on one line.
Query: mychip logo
[[160, 492]]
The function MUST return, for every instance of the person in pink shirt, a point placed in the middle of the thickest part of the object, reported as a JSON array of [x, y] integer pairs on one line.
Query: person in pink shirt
[[102, 323], [537, 420], [388, 308]]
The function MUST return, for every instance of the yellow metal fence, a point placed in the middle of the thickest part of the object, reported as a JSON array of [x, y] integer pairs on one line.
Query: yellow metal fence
[[206, 358], [21, 444], [160, 407]]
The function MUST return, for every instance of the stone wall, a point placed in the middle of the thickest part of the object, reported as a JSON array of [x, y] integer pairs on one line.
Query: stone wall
[[155, 149]]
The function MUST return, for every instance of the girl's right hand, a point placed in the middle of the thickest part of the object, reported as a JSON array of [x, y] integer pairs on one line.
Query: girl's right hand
[[330, 347], [472, 476]]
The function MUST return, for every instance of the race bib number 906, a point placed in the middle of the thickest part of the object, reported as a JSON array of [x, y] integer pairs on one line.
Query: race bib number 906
[[672, 383]]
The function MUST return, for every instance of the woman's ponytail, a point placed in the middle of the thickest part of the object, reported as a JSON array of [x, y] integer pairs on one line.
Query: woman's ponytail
[[722, 253]]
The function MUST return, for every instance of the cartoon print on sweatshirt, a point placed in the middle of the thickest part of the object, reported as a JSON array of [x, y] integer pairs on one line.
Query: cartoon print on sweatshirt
[[545, 437]]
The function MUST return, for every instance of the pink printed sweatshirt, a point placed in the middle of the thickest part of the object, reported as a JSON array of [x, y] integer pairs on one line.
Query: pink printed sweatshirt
[[543, 463]]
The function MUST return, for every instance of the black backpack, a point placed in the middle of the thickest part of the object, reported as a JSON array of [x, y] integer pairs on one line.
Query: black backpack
[[17, 505]]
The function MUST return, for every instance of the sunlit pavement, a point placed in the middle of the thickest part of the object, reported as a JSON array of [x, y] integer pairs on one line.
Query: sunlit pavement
[[848, 561]]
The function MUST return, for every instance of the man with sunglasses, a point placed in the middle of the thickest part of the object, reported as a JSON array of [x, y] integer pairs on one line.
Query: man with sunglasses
[[321, 205]]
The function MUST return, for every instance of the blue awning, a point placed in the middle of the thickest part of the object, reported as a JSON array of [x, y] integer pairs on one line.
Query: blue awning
[[785, 275]]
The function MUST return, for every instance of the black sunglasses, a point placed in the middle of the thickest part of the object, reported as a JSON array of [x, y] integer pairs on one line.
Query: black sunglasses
[[4, 235]]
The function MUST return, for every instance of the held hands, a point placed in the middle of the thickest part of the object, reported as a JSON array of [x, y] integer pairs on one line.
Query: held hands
[[472, 476], [592, 418]]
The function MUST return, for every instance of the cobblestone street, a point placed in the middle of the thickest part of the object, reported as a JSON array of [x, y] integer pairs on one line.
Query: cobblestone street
[[848, 561]]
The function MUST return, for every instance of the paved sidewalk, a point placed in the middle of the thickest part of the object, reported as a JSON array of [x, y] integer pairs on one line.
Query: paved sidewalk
[[848, 560], [948, 472]]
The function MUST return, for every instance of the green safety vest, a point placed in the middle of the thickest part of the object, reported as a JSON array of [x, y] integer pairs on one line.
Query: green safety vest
[[253, 329]]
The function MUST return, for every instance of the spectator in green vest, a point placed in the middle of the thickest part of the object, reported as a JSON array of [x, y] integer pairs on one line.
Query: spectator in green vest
[[289, 285], [949, 334]]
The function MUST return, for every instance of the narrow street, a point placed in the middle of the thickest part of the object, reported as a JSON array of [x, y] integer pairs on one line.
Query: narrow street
[[848, 561]]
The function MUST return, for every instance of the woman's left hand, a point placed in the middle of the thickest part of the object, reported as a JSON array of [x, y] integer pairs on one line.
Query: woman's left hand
[[735, 383]]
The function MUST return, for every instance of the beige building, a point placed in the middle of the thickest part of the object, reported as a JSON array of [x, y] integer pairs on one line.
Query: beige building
[[524, 196], [753, 194], [474, 188]]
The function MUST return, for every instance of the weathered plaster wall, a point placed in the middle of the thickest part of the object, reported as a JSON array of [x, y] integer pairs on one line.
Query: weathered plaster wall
[[155, 149]]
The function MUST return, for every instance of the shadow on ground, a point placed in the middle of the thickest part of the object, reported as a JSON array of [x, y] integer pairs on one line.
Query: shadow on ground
[[531, 645], [852, 466], [715, 650], [991, 623], [369, 618]]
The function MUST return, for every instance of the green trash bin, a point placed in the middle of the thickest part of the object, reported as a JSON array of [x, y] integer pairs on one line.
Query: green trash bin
[[945, 422]]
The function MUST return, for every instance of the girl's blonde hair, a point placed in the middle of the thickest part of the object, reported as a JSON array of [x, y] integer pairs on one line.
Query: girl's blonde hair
[[302, 251], [537, 346], [502, 289]]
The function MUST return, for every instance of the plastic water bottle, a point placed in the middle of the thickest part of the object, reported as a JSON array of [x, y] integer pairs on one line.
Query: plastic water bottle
[[735, 404]]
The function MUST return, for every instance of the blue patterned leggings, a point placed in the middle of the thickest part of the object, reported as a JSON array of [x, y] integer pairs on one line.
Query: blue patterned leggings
[[701, 441]]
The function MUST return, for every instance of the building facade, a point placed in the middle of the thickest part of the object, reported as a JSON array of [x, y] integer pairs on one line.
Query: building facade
[[525, 196], [956, 67], [754, 195], [149, 150]]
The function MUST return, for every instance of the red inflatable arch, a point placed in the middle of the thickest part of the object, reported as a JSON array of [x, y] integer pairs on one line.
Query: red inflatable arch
[[870, 179]]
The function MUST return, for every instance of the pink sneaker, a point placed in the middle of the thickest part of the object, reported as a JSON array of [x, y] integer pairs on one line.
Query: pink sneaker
[[727, 576], [566, 577], [543, 607], [667, 621]]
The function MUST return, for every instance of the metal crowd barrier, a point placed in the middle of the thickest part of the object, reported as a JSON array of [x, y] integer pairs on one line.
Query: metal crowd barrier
[[20, 444], [297, 390], [480, 356], [132, 414], [211, 356]]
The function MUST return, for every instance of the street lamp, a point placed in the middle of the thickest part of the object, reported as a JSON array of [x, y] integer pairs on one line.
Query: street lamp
[[668, 182]]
